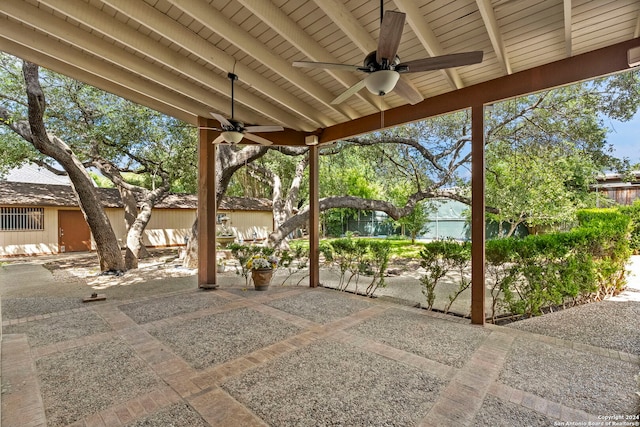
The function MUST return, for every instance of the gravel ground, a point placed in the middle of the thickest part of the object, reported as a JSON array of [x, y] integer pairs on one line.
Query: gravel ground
[[59, 328], [321, 306], [250, 292], [560, 374], [440, 340], [618, 330], [375, 391], [495, 412], [17, 308], [324, 383], [71, 391], [177, 415], [218, 338], [169, 306]]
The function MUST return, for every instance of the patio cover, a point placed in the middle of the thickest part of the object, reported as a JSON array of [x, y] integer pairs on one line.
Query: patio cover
[[174, 55]]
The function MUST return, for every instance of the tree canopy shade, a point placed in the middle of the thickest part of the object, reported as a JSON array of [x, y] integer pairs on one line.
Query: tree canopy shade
[[541, 163], [34, 131], [98, 130], [390, 171]]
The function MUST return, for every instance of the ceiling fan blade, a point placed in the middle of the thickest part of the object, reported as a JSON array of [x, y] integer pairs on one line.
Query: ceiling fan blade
[[408, 91], [218, 140], [264, 128], [309, 64], [348, 93], [390, 35], [207, 128], [222, 119], [258, 139], [443, 61]]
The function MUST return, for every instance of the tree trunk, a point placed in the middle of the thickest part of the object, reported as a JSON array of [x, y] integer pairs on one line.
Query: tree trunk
[[191, 252], [130, 213], [107, 248], [228, 161], [135, 220]]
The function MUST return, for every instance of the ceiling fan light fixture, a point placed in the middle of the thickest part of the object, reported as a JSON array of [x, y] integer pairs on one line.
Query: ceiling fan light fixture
[[232, 137], [381, 82]]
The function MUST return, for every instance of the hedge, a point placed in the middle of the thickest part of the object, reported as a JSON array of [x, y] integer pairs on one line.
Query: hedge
[[545, 271]]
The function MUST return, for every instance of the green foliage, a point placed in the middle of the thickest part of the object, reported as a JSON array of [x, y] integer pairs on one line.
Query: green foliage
[[633, 212], [244, 253], [294, 260], [93, 122], [376, 261], [537, 186], [556, 269], [415, 222], [544, 150], [440, 258], [100, 180], [355, 257]]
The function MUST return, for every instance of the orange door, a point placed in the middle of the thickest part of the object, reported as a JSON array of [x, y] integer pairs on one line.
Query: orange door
[[74, 234]]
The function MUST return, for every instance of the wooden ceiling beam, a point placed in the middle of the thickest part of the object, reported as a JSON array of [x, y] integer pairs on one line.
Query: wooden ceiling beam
[[491, 24], [295, 35], [196, 45], [215, 21], [428, 39], [568, 21], [105, 81], [342, 17], [590, 65], [61, 29]]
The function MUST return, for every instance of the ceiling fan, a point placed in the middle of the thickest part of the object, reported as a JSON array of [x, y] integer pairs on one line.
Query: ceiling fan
[[233, 131], [383, 65]]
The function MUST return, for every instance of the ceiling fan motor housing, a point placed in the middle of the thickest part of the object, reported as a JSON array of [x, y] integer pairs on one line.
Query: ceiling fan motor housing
[[371, 65], [237, 126]]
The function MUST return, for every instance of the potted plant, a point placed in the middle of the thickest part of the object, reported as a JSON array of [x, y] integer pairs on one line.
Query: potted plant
[[261, 267], [221, 263]]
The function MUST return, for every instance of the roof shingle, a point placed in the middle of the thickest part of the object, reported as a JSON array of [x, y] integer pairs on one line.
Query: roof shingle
[[29, 194]]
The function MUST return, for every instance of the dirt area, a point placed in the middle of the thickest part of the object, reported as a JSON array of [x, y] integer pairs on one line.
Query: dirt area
[[163, 264], [402, 281]]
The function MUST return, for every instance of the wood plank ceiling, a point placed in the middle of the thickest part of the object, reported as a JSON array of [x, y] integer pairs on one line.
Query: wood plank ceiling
[[174, 55]]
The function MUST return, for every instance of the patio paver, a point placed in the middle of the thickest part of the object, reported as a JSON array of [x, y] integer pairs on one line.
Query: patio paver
[[347, 341]]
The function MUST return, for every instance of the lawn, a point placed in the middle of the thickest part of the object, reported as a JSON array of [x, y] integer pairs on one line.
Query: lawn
[[400, 248]]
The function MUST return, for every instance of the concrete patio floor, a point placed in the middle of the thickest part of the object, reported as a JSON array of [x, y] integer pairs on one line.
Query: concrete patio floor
[[288, 356]]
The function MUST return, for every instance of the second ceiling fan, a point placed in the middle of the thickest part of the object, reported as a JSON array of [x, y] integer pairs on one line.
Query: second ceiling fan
[[233, 130], [383, 65]]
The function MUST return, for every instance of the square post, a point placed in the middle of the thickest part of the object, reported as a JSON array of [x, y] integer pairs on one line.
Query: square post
[[477, 216], [206, 207], [314, 217]]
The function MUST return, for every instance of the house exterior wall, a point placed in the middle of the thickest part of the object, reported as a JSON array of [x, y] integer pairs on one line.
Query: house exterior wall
[[37, 242], [167, 227], [248, 226], [623, 195]]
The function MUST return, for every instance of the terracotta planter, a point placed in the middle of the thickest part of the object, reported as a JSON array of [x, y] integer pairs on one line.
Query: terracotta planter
[[261, 278]]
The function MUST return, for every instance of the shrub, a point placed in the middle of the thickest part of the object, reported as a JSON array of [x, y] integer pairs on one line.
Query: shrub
[[439, 258], [560, 268], [294, 260], [355, 257], [633, 213]]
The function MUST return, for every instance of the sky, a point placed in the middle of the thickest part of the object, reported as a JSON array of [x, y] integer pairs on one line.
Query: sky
[[625, 138]]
